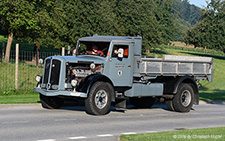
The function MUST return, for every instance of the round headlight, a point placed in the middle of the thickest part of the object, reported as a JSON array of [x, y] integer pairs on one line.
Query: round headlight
[[38, 78], [74, 82], [92, 66]]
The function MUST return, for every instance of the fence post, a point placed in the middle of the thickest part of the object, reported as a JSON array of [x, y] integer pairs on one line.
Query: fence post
[[63, 51], [68, 50], [3, 50], [37, 57], [17, 63]]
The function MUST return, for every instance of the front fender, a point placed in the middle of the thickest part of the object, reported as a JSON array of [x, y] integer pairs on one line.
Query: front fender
[[87, 82]]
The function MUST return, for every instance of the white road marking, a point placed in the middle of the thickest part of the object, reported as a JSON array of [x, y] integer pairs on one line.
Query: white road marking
[[129, 133], [47, 140], [15, 122], [76, 138], [105, 135]]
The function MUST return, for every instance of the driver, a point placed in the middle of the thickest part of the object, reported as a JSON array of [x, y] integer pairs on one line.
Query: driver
[[95, 51]]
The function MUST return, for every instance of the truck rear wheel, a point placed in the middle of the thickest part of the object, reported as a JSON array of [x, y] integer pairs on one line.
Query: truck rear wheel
[[169, 104], [143, 102], [99, 99], [51, 102], [184, 99]]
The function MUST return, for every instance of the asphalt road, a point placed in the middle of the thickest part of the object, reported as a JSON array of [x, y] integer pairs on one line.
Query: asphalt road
[[30, 122]]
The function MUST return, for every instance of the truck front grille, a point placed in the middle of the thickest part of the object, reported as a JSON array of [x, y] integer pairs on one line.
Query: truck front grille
[[52, 69], [46, 71]]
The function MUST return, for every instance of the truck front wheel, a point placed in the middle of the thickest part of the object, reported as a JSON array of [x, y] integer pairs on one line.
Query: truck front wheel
[[51, 102], [99, 99], [184, 99]]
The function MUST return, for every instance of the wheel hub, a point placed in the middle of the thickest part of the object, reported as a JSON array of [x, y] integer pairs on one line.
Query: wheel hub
[[186, 98], [101, 99]]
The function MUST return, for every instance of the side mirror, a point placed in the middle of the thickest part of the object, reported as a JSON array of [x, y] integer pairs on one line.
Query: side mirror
[[120, 53]]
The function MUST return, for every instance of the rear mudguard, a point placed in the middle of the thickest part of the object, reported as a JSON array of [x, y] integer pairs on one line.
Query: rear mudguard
[[171, 86], [190, 80]]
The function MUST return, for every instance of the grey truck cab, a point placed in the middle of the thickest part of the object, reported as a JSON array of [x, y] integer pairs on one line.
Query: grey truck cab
[[106, 70]]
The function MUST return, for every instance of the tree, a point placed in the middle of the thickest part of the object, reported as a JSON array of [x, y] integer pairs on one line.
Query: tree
[[61, 22], [210, 32], [36, 22], [164, 15], [15, 16], [48, 13]]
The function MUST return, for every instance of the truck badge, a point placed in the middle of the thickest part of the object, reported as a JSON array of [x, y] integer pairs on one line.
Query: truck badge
[[120, 72]]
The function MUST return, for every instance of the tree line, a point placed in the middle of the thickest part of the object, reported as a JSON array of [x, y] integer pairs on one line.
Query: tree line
[[59, 23], [210, 31]]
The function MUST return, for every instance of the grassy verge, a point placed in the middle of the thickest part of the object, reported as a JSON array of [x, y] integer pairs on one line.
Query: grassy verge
[[206, 134], [19, 98], [197, 50], [212, 95]]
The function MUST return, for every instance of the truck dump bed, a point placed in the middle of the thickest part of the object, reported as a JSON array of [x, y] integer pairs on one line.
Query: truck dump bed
[[170, 65]]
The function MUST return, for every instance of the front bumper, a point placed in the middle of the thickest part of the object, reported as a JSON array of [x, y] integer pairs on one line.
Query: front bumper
[[60, 93]]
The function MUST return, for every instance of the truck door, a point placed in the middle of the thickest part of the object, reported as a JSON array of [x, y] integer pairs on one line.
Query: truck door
[[121, 69]]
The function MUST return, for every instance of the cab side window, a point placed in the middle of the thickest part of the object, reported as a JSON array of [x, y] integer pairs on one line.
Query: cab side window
[[125, 50]]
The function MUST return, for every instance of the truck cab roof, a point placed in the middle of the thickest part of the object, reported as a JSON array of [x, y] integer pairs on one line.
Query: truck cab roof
[[110, 38]]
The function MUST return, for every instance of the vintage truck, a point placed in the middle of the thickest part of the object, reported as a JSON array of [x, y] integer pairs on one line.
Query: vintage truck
[[120, 73]]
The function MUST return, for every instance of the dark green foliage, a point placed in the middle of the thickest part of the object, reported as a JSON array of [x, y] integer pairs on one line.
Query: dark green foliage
[[61, 22], [150, 19], [17, 16], [210, 32]]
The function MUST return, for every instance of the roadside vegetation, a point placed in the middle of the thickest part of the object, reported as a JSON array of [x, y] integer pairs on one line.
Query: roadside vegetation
[[39, 24], [19, 98], [209, 91], [26, 82], [205, 134]]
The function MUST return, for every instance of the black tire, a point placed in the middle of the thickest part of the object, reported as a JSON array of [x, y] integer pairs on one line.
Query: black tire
[[143, 102], [184, 99], [169, 104], [51, 102], [99, 98]]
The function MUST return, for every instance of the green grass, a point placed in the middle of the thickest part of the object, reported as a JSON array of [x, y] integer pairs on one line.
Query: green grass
[[208, 95], [205, 134], [210, 52], [19, 98], [218, 76], [26, 77]]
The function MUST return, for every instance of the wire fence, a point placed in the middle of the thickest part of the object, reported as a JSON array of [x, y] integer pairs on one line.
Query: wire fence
[[28, 68]]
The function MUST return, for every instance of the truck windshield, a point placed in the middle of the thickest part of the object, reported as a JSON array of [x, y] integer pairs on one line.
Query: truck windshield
[[93, 48]]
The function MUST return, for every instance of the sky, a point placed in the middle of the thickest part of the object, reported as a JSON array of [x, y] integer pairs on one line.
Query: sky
[[198, 3]]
